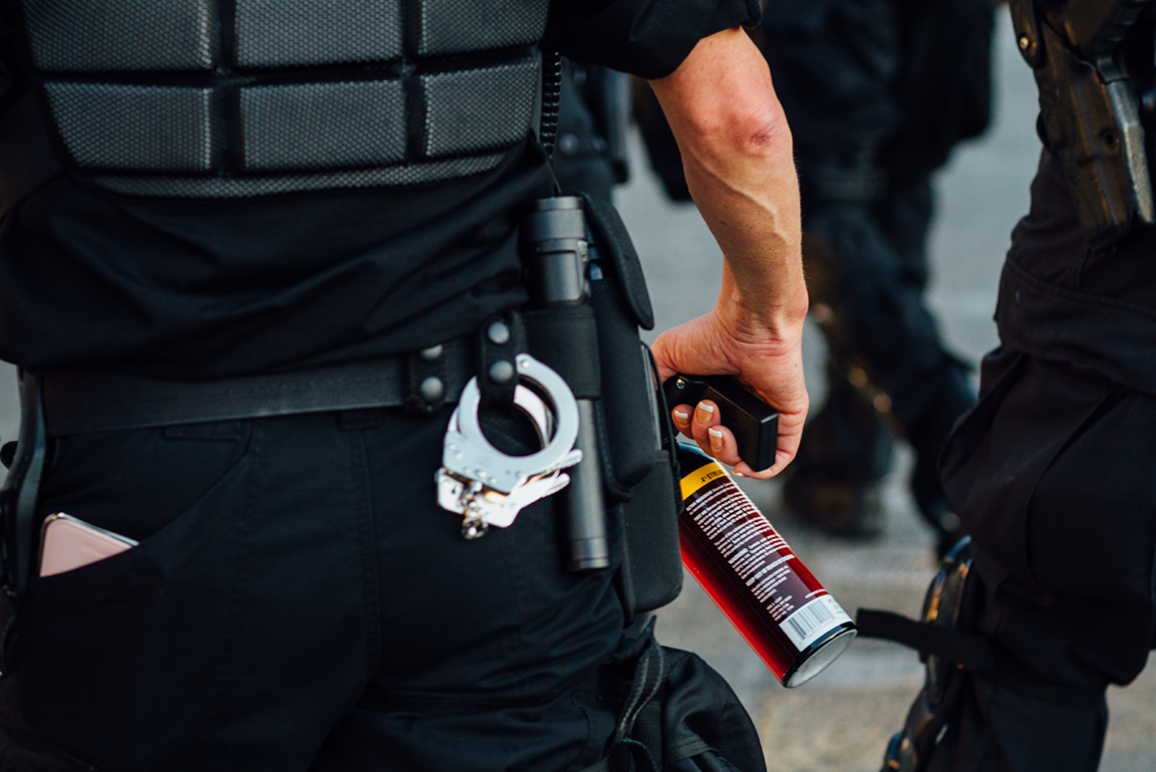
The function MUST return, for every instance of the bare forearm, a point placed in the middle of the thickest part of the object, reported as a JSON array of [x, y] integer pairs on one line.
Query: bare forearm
[[737, 155], [736, 151]]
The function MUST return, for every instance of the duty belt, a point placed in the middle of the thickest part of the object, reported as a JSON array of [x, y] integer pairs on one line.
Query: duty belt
[[89, 400]]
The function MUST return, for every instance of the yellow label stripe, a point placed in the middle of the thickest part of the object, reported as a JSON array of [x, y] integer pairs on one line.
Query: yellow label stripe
[[700, 477]]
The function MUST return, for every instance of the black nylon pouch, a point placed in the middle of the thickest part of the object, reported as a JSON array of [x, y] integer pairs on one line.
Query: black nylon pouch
[[651, 574], [565, 340], [677, 714], [640, 474], [621, 305]]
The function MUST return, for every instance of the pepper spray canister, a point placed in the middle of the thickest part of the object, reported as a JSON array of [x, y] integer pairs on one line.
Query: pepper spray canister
[[754, 577]]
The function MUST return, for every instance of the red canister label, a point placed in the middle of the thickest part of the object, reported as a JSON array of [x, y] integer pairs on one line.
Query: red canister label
[[751, 573]]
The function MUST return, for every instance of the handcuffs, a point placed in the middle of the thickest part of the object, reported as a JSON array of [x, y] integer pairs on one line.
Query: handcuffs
[[488, 487]]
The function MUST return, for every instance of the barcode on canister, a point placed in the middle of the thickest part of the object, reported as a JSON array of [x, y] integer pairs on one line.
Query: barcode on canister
[[813, 621]]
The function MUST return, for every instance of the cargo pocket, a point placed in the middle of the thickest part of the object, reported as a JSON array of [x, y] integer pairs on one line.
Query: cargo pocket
[[119, 661], [1001, 453], [1090, 528]]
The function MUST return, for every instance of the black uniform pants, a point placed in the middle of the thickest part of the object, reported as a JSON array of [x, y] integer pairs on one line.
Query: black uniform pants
[[1054, 476], [299, 602]]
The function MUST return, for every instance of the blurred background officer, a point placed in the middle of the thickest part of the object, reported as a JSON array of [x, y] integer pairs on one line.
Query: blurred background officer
[[248, 250], [878, 93], [1052, 472]]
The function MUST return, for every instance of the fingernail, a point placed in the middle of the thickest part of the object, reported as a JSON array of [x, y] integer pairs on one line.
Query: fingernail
[[739, 474], [705, 412], [715, 439], [681, 416]]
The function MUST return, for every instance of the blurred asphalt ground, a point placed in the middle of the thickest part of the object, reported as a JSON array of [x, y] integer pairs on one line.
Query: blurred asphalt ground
[[840, 722]]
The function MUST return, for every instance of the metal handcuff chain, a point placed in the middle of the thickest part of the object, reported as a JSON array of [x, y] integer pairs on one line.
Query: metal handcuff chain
[[488, 487]]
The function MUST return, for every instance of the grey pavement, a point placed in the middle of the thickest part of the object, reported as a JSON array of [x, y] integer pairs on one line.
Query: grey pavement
[[840, 721]]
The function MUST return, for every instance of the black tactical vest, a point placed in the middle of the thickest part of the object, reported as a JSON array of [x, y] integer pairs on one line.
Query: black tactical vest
[[251, 97]]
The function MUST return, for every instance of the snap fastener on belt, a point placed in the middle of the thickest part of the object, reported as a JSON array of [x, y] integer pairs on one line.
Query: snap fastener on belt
[[489, 487]]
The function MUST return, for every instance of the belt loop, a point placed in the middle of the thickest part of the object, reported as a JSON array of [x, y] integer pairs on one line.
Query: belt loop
[[499, 342], [426, 381], [89, 400]]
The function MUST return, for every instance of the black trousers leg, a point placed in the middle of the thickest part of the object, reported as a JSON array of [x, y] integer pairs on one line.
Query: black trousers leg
[[1052, 474], [1000, 730], [285, 566]]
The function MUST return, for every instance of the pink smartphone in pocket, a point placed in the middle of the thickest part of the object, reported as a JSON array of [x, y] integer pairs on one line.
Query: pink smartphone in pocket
[[67, 543]]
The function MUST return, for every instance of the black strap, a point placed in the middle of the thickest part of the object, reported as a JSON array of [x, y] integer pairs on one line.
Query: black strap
[[27, 159], [21, 488], [636, 744], [426, 379], [565, 339], [551, 98], [498, 342], [77, 401], [649, 676], [973, 652]]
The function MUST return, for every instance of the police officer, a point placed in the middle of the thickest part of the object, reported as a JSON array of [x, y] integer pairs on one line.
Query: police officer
[[248, 251], [1051, 472], [878, 96]]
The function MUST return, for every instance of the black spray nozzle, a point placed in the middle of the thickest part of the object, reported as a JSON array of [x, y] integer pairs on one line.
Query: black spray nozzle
[[754, 423]]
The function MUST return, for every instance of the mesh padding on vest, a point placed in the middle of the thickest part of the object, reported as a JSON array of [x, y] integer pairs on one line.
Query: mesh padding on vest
[[120, 35], [478, 109], [141, 128], [323, 125], [249, 97], [282, 33], [450, 26], [217, 187]]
